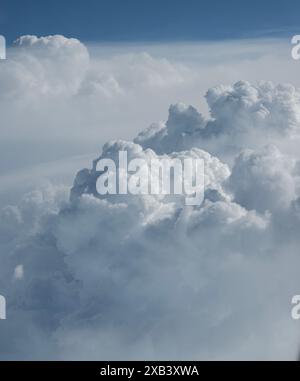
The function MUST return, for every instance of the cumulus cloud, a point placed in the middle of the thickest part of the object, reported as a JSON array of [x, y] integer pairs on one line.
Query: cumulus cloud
[[144, 276], [53, 89], [44, 66], [266, 180], [140, 277], [59, 93], [240, 114], [85, 182]]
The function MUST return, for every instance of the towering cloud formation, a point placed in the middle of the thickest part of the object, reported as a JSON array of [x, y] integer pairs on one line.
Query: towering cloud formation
[[52, 65], [144, 277], [240, 114]]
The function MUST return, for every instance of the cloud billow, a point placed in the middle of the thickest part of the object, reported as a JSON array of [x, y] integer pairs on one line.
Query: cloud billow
[[143, 276]]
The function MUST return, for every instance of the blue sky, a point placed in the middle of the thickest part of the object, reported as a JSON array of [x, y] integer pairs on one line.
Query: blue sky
[[155, 20]]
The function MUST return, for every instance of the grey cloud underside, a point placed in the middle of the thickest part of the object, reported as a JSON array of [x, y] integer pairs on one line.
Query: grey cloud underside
[[140, 277]]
